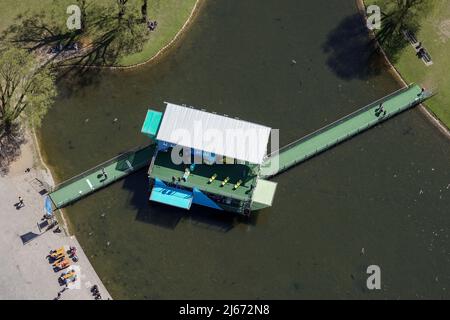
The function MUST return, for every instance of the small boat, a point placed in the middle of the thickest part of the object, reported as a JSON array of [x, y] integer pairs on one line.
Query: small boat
[[72, 278], [58, 259], [62, 264], [67, 274], [56, 253]]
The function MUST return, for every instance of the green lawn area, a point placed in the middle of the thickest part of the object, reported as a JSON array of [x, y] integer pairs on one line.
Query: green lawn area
[[435, 37], [170, 14]]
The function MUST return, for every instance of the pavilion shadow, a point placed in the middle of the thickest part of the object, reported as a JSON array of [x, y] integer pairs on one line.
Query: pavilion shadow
[[168, 217]]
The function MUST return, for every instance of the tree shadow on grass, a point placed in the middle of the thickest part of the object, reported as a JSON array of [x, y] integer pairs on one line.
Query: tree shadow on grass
[[103, 42], [36, 31], [10, 143], [351, 52]]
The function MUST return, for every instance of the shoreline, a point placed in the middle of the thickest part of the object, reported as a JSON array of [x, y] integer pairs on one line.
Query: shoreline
[[40, 161], [361, 5], [25, 273], [36, 145], [41, 164], [161, 52]]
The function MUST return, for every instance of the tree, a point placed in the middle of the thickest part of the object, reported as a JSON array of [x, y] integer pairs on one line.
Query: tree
[[83, 8], [399, 15], [114, 37], [130, 37], [144, 10], [27, 89], [122, 8]]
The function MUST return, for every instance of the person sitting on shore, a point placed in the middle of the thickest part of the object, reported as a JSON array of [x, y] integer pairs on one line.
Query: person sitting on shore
[[152, 25]]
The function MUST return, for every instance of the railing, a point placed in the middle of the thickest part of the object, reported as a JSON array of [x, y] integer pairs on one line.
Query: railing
[[337, 122], [286, 148], [98, 167]]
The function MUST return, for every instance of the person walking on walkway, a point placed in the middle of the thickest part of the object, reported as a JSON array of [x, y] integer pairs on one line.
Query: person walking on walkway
[[379, 110], [104, 174], [21, 203]]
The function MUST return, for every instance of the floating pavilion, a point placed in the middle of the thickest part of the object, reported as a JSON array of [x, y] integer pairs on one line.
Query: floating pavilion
[[208, 159], [201, 158]]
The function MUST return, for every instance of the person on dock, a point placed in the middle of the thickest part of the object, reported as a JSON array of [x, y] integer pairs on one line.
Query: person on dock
[[21, 203], [379, 110], [422, 92], [104, 174]]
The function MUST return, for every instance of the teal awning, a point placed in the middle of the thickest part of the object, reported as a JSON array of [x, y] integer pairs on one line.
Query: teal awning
[[151, 123], [172, 196]]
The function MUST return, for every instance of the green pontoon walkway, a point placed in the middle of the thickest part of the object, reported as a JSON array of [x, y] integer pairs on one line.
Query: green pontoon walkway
[[342, 129], [288, 156], [93, 179]]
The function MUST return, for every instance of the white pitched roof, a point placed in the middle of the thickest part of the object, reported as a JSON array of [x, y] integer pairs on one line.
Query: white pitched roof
[[214, 133]]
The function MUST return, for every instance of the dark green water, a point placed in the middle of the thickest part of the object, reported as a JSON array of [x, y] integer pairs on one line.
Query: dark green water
[[386, 191]]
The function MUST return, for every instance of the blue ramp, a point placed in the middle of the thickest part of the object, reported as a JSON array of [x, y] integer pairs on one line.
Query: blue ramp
[[48, 208], [201, 199], [171, 196]]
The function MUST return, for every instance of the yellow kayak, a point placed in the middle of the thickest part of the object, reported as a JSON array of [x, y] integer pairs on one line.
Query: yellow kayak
[[57, 253], [59, 259], [62, 264], [68, 274]]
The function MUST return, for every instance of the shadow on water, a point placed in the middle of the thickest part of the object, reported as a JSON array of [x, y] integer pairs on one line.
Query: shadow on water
[[351, 53], [77, 78], [164, 216]]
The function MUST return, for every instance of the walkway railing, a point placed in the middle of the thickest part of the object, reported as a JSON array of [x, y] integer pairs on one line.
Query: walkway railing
[[340, 130], [94, 179]]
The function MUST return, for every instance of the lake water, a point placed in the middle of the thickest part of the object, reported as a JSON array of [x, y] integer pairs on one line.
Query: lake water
[[381, 198]]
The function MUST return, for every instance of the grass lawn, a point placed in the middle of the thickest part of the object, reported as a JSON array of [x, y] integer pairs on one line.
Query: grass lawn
[[170, 14], [435, 37]]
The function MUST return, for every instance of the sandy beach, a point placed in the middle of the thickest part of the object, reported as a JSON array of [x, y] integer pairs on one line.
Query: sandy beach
[[25, 272]]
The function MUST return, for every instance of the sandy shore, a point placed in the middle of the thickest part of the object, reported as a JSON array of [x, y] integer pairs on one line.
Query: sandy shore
[[25, 273]]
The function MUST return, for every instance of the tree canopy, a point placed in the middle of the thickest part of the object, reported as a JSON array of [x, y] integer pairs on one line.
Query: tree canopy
[[397, 16], [27, 89], [108, 32]]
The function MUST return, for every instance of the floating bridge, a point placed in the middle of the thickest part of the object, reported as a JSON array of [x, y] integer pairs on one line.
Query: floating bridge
[[298, 151], [342, 129], [94, 179]]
